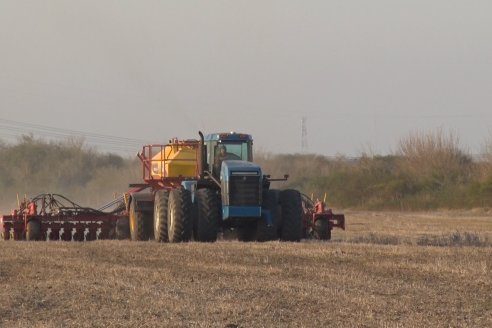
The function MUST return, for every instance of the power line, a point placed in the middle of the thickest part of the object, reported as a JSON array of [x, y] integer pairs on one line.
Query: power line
[[71, 132], [103, 141]]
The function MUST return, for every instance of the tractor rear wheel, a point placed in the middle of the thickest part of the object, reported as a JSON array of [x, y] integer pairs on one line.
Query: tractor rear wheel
[[270, 203], [33, 230], [207, 215], [322, 229], [179, 216], [122, 229], [291, 204], [160, 215], [137, 224]]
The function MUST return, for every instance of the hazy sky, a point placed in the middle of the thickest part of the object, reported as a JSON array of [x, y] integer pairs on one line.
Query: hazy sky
[[363, 73]]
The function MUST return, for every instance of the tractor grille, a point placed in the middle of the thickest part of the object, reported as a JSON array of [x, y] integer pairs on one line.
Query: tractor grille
[[244, 191]]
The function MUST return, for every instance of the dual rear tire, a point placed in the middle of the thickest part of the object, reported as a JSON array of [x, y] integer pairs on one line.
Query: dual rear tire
[[173, 219], [173, 216], [179, 216], [160, 215], [292, 215], [286, 214]]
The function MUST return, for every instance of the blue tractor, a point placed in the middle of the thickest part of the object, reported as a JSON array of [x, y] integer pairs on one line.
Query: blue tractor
[[233, 193], [196, 189]]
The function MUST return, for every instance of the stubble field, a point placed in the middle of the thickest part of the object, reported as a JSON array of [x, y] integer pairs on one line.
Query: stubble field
[[386, 270]]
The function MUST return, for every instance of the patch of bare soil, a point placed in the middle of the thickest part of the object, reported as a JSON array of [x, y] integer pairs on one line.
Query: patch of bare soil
[[231, 284]]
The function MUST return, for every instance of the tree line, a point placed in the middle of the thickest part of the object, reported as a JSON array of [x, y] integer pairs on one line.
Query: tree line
[[427, 171], [71, 168]]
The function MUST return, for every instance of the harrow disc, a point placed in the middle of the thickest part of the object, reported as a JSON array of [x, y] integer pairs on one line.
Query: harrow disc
[[78, 235], [67, 232], [91, 234], [104, 233], [5, 235], [54, 234]]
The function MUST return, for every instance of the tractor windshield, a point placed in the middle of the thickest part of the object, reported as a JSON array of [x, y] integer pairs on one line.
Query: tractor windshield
[[237, 151], [227, 150]]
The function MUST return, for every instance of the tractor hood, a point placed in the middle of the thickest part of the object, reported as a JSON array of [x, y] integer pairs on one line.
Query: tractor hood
[[241, 189], [238, 168]]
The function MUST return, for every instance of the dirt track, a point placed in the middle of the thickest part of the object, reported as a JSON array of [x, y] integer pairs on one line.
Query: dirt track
[[232, 284]]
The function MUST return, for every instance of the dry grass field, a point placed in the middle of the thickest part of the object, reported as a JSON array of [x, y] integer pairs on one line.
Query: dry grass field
[[386, 270]]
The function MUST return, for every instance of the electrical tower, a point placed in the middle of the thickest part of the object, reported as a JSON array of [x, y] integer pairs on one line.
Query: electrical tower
[[304, 140]]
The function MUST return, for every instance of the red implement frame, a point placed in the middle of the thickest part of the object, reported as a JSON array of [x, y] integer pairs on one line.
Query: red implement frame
[[315, 211], [57, 221], [336, 220]]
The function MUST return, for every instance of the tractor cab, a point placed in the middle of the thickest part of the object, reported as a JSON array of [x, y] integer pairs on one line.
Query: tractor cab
[[227, 146], [230, 161]]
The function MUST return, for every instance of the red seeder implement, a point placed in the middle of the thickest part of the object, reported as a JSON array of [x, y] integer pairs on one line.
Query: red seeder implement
[[54, 217], [318, 220]]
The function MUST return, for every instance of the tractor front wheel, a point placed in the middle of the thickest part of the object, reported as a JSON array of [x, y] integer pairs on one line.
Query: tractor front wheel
[[207, 215]]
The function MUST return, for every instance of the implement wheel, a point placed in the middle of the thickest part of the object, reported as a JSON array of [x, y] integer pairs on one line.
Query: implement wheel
[[5, 234], [33, 230], [160, 215], [122, 228], [322, 229], [179, 216], [137, 224], [291, 204], [207, 216]]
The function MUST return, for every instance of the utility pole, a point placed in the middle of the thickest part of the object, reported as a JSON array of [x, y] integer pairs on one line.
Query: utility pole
[[304, 139]]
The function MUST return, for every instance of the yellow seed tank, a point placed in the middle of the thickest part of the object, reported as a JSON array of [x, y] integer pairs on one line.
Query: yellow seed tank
[[175, 160]]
